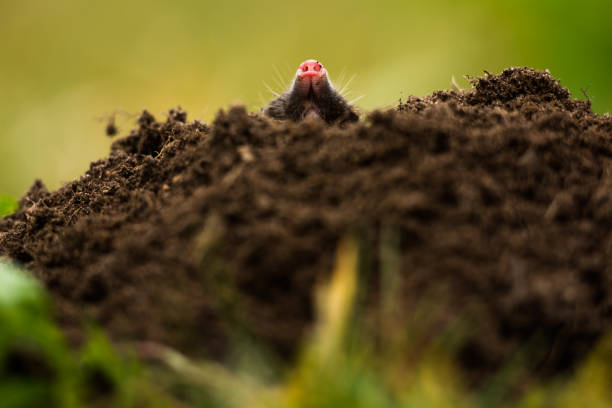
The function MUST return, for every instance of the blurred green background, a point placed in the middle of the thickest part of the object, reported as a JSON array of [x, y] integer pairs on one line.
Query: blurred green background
[[66, 65]]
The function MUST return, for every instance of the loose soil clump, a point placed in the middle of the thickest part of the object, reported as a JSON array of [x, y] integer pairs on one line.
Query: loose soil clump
[[501, 197]]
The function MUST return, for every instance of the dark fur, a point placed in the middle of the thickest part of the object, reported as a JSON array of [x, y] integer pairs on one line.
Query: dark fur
[[330, 106]]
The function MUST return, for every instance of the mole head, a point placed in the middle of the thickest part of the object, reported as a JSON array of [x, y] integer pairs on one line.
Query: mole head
[[311, 78]]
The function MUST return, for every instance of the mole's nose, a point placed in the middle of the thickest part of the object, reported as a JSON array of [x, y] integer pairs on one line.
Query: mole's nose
[[311, 68]]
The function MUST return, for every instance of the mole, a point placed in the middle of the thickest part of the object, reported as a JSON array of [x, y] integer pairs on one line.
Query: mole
[[311, 95]]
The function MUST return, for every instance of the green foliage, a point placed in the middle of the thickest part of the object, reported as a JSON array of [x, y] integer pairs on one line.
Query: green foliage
[[591, 386], [8, 205], [342, 363], [105, 379], [37, 369]]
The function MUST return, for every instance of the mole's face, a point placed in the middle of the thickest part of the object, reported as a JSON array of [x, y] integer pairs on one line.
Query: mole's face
[[312, 95], [311, 79]]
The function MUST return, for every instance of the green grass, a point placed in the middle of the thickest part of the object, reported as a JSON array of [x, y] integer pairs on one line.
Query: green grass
[[38, 369], [342, 366], [341, 363]]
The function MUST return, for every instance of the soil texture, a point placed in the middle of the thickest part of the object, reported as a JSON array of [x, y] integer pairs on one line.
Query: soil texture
[[500, 196]]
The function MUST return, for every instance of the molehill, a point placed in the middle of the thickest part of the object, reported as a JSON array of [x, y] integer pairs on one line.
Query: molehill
[[501, 198]]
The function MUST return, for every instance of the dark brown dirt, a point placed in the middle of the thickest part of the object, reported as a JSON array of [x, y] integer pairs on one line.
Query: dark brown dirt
[[501, 194]]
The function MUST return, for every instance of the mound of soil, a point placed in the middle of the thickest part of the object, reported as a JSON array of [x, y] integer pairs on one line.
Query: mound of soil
[[501, 195]]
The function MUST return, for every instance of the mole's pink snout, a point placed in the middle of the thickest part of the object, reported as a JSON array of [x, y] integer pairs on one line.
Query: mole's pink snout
[[311, 68]]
